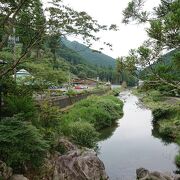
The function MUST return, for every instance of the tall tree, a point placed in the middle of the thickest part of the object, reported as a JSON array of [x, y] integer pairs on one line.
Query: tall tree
[[163, 32], [60, 20]]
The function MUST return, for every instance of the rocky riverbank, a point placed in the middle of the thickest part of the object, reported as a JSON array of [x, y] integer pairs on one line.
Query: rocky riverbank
[[74, 163]]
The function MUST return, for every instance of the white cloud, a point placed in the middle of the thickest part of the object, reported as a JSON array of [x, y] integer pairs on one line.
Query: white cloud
[[110, 12]]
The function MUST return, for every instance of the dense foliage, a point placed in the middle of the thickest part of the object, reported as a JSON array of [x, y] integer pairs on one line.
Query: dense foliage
[[91, 56], [83, 133], [94, 113], [164, 35], [27, 21], [22, 145]]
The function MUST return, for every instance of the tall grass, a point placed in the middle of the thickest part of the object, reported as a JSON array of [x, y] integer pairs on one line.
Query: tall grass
[[92, 114]]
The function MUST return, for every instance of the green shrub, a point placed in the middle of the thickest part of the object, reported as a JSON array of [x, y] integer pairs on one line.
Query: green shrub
[[49, 121], [155, 95], [83, 133], [100, 111], [166, 131], [97, 112], [86, 102], [177, 160], [49, 116], [21, 144], [116, 91], [160, 113], [20, 104], [95, 115], [71, 93]]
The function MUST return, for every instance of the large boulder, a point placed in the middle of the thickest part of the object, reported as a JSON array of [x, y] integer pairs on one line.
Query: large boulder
[[5, 171], [177, 177], [70, 162], [144, 174], [78, 164]]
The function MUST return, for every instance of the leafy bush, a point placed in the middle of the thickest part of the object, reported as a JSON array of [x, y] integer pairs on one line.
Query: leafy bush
[[71, 92], [155, 95], [94, 115], [21, 144], [49, 121], [20, 104], [160, 113], [83, 133], [100, 111], [49, 116], [97, 112], [177, 160], [116, 91], [166, 131]]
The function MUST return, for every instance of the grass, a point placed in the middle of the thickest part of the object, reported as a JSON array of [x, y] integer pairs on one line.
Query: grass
[[82, 122]]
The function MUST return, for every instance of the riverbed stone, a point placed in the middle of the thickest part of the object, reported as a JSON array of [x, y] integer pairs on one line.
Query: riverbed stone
[[177, 177], [144, 174], [79, 165]]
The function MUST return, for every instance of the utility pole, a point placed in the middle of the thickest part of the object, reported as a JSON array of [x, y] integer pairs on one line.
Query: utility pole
[[12, 41], [14, 51], [69, 81], [1, 89]]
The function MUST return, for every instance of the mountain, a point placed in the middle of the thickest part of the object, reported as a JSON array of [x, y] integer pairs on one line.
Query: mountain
[[71, 56], [92, 57]]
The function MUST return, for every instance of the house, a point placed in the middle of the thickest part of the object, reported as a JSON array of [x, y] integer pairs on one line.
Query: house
[[22, 74]]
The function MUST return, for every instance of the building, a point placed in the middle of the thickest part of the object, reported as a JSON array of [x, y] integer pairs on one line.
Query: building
[[85, 82], [21, 74]]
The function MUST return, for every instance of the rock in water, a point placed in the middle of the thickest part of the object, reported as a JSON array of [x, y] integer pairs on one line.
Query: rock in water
[[79, 165], [144, 174], [177, 177]]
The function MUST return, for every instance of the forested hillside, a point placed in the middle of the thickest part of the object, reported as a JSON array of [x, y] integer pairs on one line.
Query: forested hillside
[[80, 66], [91, 56]]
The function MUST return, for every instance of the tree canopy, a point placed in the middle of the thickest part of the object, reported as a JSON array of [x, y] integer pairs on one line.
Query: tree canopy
[[163, 32], [33, 24]]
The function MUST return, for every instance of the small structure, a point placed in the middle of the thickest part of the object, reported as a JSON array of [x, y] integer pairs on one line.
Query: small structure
[[85, 82], [21, 74]]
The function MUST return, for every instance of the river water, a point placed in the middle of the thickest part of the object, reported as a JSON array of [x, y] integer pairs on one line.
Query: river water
[[130, 144]]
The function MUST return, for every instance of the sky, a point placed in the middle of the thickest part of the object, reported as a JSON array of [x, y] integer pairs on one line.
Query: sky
[[110, 12]]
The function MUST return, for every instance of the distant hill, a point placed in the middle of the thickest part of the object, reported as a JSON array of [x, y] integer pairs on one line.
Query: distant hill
[[71, 56], [92, 57]]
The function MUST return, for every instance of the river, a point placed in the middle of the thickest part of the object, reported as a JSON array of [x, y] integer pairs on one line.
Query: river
[[130, 144]]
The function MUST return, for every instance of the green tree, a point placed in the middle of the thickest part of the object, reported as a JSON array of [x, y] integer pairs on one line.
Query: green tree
[[21, 144], [164, 34], [61, 21]]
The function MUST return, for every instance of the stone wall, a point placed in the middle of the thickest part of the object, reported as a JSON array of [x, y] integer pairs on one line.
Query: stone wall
[[65, 101]]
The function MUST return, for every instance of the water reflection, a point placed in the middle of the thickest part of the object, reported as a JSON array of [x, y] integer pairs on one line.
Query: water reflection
[[155, 133], [133, 143], [107, 132]]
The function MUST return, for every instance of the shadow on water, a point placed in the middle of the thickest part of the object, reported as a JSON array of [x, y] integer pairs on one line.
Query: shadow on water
[[164, 139], [155, 133], [107, 132]]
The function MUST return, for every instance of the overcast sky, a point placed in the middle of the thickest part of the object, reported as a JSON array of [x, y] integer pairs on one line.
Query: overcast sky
[[110, 12]]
